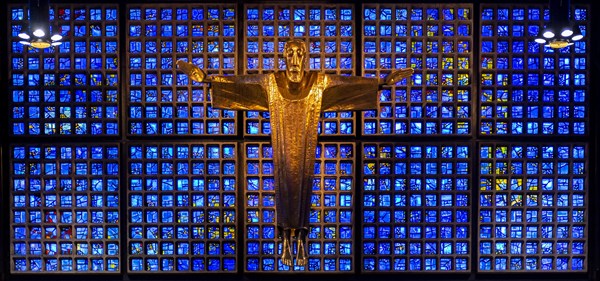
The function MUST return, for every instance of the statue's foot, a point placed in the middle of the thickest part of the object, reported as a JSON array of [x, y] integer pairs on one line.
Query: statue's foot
[[286, 258], [301, 255], [301, 261], [286, 251]]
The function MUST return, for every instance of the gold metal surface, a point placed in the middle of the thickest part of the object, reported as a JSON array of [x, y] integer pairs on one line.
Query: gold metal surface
[[295, 99], [558, 44], [40, 44]]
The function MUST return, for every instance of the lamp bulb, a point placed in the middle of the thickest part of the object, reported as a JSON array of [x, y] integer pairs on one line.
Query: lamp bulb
[[39, 33], [24, 36], [548, 34], [566, 33], [577, 37]]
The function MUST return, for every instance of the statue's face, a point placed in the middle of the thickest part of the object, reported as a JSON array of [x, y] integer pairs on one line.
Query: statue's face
[[294, 59]]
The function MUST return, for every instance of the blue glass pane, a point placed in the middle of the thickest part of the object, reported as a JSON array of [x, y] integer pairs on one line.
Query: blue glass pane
[[528, 68], [436, 85], [182, 207], [65, 204], [522, 194], [92, 67], [415, 207], [180, 107]]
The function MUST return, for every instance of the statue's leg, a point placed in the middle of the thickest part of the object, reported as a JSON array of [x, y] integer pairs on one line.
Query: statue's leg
[[286, 251], [301, 255]]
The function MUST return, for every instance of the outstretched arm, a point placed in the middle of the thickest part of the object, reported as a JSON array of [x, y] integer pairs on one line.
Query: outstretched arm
[[194, 72], [243, 92], [357, 93], [396, 76]]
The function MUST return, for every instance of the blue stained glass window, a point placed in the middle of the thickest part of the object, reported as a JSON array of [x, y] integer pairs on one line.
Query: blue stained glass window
[[186, 208], [541, 71], [410, 213], [415, 203], [206, 39], [38, 70], [51, 208], [433, 75], [330, 228], [518, 206], [330, 41]]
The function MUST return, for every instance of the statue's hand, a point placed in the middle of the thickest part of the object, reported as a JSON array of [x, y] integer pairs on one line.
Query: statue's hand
[[398, 75], [194, 72]]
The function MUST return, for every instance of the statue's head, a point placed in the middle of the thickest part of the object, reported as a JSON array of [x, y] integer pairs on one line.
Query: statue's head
[[295, 55]]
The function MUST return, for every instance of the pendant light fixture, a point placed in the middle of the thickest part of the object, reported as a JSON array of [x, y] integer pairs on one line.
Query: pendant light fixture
[[38, 35], [560, 32]]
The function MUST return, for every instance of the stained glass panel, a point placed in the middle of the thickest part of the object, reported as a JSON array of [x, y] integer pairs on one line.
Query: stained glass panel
[[182, 209], [70, 89], [163, 100], [330, 238], [416, 202], [64, 214], [528, 88], [532, 207], [329, 32], [436, 41]]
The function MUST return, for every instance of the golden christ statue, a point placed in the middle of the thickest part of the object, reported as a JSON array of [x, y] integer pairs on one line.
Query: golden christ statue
[[295, 99]]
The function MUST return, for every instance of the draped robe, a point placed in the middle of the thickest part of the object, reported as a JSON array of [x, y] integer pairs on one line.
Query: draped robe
[[294, 116]]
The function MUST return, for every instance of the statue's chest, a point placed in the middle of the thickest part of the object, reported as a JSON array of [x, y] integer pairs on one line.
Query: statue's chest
[[309, 88]]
